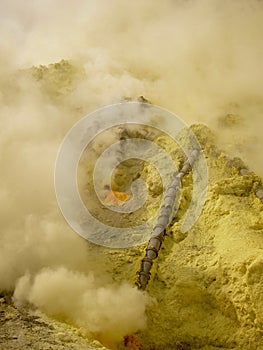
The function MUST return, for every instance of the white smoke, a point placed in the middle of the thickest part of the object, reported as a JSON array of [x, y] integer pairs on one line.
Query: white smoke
[[108, 312], [200, 59]]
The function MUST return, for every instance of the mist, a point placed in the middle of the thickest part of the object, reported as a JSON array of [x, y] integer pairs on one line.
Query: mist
[[202, 60], [107, 312]]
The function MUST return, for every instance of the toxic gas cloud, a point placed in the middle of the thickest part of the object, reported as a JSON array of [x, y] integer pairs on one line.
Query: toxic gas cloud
[[74, 297], [203, 60]]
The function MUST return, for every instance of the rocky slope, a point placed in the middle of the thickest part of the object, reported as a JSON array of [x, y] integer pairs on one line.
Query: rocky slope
[[25, 328]]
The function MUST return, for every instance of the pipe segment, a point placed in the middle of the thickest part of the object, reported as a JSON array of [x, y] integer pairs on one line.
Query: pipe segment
[[165, 217]]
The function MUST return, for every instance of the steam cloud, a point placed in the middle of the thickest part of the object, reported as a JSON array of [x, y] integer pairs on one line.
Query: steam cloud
[[200, 59], [108, 312]]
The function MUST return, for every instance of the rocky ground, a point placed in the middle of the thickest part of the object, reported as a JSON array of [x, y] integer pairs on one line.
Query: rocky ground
[[24, 328]]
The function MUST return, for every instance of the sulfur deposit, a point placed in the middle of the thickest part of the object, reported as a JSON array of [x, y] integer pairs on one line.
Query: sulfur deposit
[[208, 282], [206, 286]]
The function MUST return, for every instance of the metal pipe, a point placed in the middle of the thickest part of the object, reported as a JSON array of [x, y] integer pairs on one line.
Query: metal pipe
[[259, 189], [259, 193], [164, 219]]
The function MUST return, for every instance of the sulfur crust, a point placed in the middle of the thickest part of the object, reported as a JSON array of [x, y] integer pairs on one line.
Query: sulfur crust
[[207, 283]]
